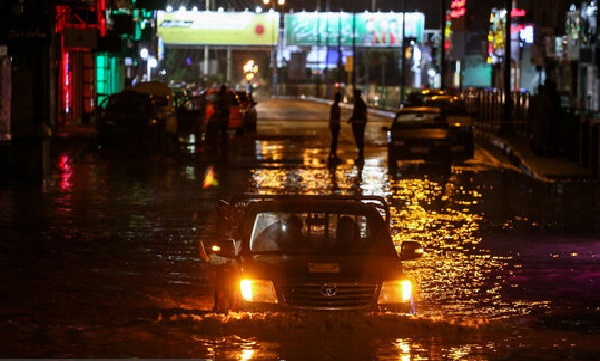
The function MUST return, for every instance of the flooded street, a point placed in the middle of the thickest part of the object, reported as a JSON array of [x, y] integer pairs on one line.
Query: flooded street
[[103, 262]]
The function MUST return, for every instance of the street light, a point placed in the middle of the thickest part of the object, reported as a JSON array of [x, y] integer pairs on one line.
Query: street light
[[152, 63], [274, 45], [145, 56], [250, 70]]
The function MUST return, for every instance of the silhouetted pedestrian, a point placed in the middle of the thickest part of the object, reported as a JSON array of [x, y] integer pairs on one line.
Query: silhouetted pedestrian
[[223, 113], [555, 118], [544, 117], [359, 122], [539, 109], [335, 124]]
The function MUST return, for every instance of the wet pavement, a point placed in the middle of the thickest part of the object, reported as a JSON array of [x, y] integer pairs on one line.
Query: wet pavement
[[515, 148], [547, 168]]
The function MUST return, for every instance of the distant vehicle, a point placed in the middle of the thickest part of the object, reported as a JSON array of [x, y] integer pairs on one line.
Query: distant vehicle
[[248, 104], [138, 120], [455, 110], [311, 253], [419, 133], [419, 97]]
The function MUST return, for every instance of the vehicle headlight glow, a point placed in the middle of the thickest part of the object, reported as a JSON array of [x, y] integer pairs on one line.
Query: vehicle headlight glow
[[395, 292], [258, 291]]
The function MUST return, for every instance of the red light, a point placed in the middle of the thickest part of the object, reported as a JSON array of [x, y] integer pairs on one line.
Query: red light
[[517, 13], [66, 174], [101, 14], [458, 8], [102, 26]]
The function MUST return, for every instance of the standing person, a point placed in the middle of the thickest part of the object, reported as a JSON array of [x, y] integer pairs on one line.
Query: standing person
[[540, 112], [554, 119], [335, 124], [223, 110], [359, 122]]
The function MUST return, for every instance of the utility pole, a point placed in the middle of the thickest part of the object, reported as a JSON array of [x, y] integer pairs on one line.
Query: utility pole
[[506, 124], [442, 49], [354, 47], [403, 59], [319, 73]]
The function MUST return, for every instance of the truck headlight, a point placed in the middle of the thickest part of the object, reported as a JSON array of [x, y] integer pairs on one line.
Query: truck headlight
[[395, 292], [258, 291]]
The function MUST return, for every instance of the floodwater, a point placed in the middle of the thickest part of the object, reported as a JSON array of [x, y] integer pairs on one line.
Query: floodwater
[[103, 261]]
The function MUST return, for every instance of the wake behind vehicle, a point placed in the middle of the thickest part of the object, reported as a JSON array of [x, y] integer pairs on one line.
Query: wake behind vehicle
[[311, 253], [419, 133]]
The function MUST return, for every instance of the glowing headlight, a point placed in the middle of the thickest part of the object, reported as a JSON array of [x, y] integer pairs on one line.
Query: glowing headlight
[[258, 291], [395, 292]]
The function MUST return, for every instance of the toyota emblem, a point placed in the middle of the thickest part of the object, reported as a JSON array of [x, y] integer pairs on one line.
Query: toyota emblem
[[329, 290]]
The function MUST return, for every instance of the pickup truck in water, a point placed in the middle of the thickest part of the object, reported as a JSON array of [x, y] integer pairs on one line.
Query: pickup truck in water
[[312, 253]]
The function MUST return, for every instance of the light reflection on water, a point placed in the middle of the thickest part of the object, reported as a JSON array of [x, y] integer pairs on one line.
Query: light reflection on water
[[457, 277]]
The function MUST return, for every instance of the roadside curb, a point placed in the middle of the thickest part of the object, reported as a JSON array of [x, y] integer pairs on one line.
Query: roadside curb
[[548, 169]]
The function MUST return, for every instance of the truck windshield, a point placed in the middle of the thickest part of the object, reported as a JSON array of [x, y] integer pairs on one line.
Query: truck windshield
[[311, 232]]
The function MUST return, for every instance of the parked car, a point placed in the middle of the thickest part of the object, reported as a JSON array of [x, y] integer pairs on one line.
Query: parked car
[[455, 110], [135, 120], [190, 118], [248, 105], [419, 133], [299, 252], [163, 99]]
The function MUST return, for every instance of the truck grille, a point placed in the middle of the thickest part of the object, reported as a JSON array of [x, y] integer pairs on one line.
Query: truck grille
[[329, 295]]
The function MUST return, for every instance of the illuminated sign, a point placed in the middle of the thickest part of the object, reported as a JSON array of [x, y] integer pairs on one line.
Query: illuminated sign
[[448, 32], [372, 29], [526, 34], [496, 34], [517, 13], [217, 28], [458, 8]]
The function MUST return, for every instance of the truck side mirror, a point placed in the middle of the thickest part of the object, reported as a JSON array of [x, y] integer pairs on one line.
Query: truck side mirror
[[223, 248], [410, 250]]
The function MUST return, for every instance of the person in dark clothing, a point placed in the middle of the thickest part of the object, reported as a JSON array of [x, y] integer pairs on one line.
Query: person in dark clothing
[[539, 112], [335, 124], [359, 122], [554, 120], [223, 114], [544, 117]]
